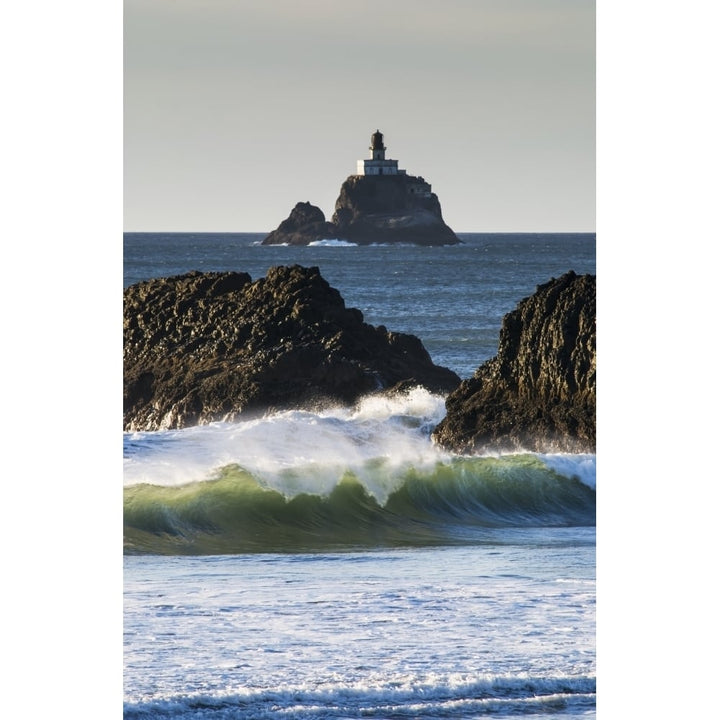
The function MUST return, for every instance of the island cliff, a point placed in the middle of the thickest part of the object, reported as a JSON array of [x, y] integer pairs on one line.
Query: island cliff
[[201, 347], [379, 204], [538, 393]]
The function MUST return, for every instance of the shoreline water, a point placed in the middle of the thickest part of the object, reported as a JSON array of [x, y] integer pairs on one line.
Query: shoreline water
[[450, 632]]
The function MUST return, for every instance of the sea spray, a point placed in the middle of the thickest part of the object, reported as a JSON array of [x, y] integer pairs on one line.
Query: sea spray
[[281, 447], [368, 475], [580, 466]]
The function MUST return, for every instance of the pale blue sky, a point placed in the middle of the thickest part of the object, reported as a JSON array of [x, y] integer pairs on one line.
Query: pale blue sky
[[237, 109]]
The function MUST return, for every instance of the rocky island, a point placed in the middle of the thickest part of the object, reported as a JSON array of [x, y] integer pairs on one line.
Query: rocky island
[[201, 347], [379, 204], [538, 393]]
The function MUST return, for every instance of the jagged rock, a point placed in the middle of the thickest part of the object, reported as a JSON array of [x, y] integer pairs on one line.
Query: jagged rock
[[201, 347], [392, 208], [305, 224], [538, 393]]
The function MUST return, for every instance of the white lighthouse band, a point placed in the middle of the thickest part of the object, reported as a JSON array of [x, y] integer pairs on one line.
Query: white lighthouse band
[[377, 164]]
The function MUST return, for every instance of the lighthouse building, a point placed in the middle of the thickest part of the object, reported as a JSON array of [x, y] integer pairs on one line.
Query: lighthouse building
[[377, 164]]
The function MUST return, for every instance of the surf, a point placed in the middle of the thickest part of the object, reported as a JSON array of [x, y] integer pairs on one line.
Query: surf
[[367, 476], [452, 696]]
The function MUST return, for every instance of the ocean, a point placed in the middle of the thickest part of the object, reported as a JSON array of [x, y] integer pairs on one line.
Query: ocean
[[337, 564]]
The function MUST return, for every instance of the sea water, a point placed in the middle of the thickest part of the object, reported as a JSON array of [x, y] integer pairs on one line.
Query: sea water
[[338, 564]]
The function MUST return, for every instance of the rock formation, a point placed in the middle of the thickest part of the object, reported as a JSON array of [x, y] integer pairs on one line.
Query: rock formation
[[538, 393], [381, 204], [305, 224], [371, 209], [201, 347], [393, 208]]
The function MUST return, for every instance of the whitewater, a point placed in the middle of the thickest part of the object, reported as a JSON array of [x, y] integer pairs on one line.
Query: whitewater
[[338, 563], [364, 476]]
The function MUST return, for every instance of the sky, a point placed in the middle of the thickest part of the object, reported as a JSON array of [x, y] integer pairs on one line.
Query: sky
[[235, 110]]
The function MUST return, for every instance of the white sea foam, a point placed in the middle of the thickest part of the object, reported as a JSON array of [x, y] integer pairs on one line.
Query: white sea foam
[[437, 633], [298, 451], [333, 242], [393, 245], [399, 699], [417, 402], [581, 466], [302, 451]]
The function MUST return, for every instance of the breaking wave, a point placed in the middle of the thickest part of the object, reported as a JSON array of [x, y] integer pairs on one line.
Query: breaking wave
[[344, 478], [451, 696]]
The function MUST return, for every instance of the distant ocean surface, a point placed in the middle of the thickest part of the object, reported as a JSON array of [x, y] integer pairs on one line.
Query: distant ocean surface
[[338, 564], [452, 298]]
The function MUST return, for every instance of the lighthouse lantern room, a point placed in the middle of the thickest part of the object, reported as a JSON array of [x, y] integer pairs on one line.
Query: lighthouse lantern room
[[377, 164]]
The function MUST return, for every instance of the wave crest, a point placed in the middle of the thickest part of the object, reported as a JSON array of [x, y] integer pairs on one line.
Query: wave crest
[[344, 477], [449, 502]]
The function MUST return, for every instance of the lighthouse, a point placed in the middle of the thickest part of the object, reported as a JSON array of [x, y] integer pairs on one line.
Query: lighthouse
[[377, 164], [376, 146]]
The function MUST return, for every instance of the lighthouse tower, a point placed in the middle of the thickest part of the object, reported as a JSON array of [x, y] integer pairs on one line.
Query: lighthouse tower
[[377, 164], [377, 146]]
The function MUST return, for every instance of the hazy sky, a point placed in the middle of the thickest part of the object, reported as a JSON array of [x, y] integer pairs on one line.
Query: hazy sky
[[237, 109]]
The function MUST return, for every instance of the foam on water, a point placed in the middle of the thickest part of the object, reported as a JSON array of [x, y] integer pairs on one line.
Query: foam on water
[[304, 451], [452, 695], [367, 475], [429, 633], [580, 466], [334, 242], [281, 447]]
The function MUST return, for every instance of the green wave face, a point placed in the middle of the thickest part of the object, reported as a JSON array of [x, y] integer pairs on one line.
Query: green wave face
[[456, 501]]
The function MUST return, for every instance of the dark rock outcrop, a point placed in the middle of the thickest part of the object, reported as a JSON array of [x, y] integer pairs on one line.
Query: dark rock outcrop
[[305, 224], [371, 209], [201, 347], [538, 393], [393, 208]]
